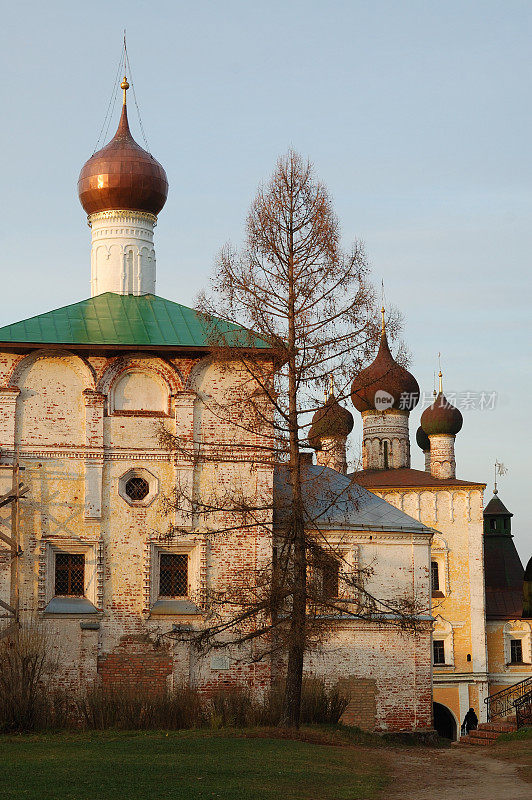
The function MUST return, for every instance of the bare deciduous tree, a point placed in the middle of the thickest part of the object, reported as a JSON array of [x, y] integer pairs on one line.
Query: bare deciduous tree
[[308, 313]]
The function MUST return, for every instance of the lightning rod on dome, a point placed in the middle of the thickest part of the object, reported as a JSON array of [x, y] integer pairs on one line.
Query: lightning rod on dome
[[127, 65], [125, 85], [104, 130], [383, 298]]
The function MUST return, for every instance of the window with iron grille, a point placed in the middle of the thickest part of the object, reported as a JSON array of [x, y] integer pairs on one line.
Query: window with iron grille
[[435, 576], [137, 488], [173, 574], [70, 574], [516, 651], [438, 650]]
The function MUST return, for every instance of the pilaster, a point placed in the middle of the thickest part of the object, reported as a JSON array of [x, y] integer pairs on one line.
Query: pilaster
[[184, 416], [8, 408], [94, 408], [184, 459]]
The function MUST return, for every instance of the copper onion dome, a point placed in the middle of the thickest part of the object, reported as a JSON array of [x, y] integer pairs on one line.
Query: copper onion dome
[[385, 375], [441, 417], [122, 175], [330, 422], [422, 439]]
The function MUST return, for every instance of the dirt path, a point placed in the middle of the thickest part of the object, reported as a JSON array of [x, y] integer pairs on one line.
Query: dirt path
[[454, 774]]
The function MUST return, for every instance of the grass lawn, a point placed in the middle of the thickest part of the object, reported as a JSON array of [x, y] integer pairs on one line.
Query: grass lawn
[[195, 765]]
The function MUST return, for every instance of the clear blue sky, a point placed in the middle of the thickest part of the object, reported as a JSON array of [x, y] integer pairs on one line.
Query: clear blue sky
[[416, 114]]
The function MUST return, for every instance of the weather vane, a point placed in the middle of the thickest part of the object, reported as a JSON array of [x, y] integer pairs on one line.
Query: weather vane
[[500, 469]]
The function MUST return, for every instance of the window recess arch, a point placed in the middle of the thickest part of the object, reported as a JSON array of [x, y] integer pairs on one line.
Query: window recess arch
[[139, 392]]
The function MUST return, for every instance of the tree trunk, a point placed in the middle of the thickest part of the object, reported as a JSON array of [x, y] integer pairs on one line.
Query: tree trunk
[[296, 646], [298, 612]]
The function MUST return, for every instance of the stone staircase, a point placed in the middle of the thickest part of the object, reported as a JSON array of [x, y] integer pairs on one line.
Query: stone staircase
[[508, 709], [488, 732]]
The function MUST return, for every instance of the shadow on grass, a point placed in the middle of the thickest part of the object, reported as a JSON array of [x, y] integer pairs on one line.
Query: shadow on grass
[[345, 736]]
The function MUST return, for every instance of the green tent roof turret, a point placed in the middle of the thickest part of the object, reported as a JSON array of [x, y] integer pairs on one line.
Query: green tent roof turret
[[527, 591], [497, 518], [503, 571]]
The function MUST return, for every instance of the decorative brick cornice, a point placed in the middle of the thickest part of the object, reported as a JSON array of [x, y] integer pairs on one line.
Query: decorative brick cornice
[[93, 454], [122, 214]]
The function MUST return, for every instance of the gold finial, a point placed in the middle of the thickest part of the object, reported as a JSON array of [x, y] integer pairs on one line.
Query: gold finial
[[125, 86], [331, 384], [441, 382], [383, 324]]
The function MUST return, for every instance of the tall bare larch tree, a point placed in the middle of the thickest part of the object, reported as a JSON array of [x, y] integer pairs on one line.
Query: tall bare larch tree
[[294, 289]]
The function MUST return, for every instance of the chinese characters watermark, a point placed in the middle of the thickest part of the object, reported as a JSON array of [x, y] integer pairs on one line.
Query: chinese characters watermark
[[465, 401]]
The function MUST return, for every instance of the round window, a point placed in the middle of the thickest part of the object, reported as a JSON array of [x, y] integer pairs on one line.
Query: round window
[[137, 488]]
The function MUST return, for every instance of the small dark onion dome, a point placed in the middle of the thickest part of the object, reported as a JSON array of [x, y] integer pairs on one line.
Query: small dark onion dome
[[422, 439], [386, 375], [122, 175], [332, 421], [441, 417]]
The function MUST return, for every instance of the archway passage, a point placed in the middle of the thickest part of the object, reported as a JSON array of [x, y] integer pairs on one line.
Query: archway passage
[[444, 722]]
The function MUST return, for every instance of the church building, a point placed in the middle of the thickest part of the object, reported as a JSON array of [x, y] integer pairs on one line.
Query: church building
[[85, 391]]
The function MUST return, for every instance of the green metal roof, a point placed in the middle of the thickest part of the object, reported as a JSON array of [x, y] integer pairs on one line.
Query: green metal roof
[[125, 319]]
